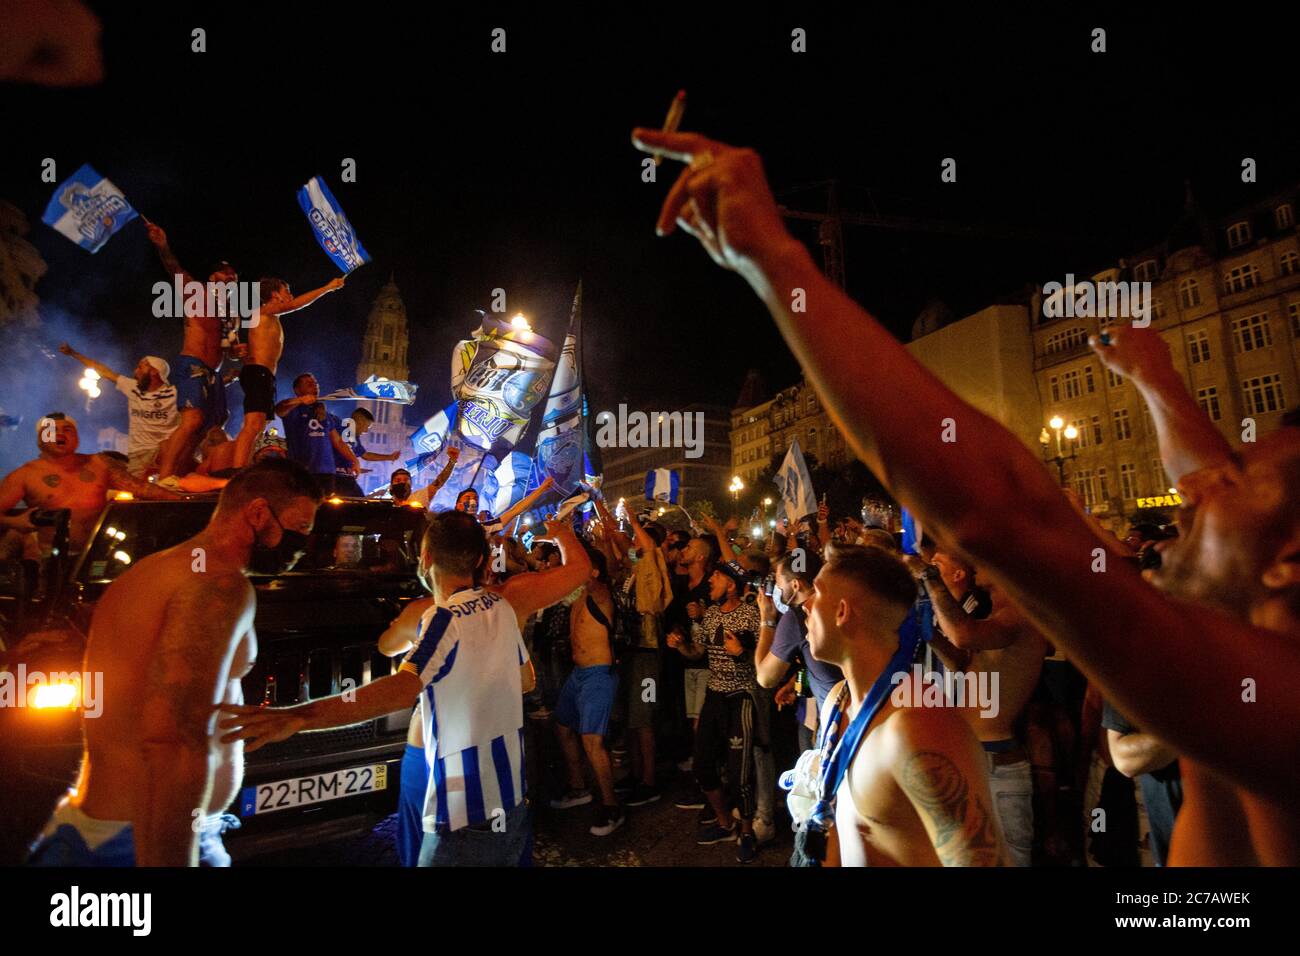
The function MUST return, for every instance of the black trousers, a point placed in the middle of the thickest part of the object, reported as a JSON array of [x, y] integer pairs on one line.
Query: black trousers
[[727, 734]]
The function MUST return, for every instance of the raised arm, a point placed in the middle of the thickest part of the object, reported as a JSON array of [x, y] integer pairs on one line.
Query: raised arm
[[287, 405], [526, 502], [998, 514], [531, 591], [452, 455], [169, 261], [307, 298], [1188, 439], [187, 677], [103, 370]]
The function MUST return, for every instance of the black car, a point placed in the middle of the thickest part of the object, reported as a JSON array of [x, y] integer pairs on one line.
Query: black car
[[316, 627]]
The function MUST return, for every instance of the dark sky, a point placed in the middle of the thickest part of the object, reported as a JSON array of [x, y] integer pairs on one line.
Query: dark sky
[[478, 171]]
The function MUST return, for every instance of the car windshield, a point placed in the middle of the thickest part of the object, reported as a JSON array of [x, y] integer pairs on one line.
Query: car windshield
[[360, 538]]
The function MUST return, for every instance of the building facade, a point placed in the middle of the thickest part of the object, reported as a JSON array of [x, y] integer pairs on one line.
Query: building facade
[[1225, 296], [383, 353], [703, 477], [760, 431]]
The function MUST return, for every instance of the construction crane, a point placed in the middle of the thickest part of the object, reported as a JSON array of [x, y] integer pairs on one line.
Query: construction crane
[[830, 227]]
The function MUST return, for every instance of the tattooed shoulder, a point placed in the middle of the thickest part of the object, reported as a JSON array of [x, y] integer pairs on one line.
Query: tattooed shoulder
[[964, 833]]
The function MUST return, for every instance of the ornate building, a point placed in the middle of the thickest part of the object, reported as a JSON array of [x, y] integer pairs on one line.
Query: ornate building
[[383, 353], [763, 429]]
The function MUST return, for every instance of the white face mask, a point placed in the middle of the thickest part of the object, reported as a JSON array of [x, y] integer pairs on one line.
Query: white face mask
[[780, 605]]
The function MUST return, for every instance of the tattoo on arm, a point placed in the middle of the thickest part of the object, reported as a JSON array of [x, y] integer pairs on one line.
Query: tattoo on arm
[[964, 832]]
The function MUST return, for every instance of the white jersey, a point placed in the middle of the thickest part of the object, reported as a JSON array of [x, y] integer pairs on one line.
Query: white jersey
[[154, 415], [468, 657]]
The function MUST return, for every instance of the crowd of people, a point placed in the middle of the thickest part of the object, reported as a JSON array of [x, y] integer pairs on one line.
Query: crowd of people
[[900, 693]]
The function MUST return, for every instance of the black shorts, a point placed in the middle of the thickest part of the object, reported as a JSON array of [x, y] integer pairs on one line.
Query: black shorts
[[258, 383]]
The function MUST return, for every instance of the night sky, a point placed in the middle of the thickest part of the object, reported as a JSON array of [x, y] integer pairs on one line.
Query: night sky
[[478, 171]]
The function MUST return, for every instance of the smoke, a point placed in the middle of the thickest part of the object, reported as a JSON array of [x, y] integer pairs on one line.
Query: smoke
[[35, 379]]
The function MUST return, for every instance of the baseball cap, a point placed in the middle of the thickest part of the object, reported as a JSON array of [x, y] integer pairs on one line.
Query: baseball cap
[[160, 366]]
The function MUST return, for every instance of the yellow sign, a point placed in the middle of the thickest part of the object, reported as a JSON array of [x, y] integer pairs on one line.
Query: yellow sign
[[1160, 501]]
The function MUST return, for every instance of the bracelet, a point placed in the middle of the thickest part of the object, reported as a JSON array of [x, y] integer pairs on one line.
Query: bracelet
[[771, 624]]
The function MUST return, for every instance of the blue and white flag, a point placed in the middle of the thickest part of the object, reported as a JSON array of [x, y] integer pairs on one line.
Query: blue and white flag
[[430, 438], [512, 481], [661, 484], [333, 231], [796, 485], [561, 441], [88, 209], [376, 389]]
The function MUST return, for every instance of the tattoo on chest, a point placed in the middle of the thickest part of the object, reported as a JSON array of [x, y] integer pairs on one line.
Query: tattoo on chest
[[52, 480]]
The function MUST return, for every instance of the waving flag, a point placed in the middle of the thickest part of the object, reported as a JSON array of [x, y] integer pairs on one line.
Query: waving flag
[[431, 437], [376, 389], [333, 231], [88, 209], [796, 485], [498, 380], [661, 484], [512, 481], [561, 441]]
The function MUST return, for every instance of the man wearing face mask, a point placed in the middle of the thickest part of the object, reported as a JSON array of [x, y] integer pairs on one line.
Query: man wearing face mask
[[171, 636], [399, 488], [782, 638]]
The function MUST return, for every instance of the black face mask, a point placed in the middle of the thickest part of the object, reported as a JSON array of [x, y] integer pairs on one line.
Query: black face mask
[[283, 556], [400, 491]]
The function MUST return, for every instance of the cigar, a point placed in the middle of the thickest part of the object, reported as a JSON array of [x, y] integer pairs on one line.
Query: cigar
[[674, 119]]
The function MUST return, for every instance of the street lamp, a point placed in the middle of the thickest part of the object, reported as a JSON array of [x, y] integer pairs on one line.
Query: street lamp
[[1057, 424], [737, 486]]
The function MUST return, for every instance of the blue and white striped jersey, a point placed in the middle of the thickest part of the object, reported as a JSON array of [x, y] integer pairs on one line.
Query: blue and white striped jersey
[[468, 657]]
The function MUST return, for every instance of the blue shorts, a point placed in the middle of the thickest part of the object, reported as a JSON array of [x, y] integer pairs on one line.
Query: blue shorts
[[197, 386], [410, 805], [587, 698], [66, 847]]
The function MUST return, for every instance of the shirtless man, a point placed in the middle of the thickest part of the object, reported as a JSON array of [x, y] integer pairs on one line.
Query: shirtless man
[[916, 792], [1232, 713], [404, 631], [265, 346], [1006, 647], [587, 698], [200, 390], [469, 668], [172, 638], [61, 478]]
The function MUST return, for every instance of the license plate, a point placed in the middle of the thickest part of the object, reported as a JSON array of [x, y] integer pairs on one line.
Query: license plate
[[319, 788]]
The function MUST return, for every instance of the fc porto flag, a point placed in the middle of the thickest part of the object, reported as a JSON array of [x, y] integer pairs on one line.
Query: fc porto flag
[[376, 389], [333, 231], [430, 438], [661, 484], [561, 441], [88, 209], [796, 485]]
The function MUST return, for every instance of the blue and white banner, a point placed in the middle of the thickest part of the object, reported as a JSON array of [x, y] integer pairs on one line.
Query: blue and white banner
[[796, 485], [501, 379], [661, 484], [562, 439], [430, 438], [512, 481], [376, 389], [88, 209], [333, 231]]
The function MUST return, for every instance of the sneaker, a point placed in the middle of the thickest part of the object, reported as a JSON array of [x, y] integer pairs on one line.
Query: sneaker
[[572, 798], [764, 832], [641, 795], [707, 816], [716, 834], [747, 849], [693, 801], [608, 819]]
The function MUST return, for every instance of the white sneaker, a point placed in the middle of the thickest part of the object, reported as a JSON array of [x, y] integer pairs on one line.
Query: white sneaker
[[764, 830]]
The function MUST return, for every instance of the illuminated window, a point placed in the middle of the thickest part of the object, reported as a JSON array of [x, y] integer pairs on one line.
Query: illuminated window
[[1263, 394], [1252, 332], [1208, 399]]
